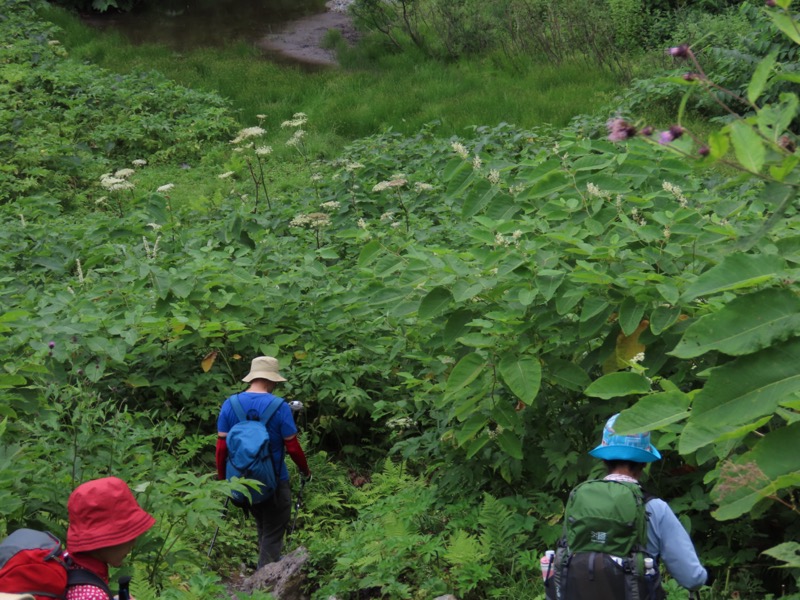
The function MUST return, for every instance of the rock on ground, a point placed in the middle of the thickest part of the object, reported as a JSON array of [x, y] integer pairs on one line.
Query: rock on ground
[[284, 579]]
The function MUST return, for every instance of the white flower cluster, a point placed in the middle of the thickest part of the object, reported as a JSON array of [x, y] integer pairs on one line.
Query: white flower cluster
[[297, 120], [401, 423], [311, 220], [296, 139], [149, 252], [677, 192], [248, 132], [264, 150], [422, 187], [165, 188], [385, 185], [117, 181], [332, 205], [493, 433], [460, 149], [512, 240], [596, 192]]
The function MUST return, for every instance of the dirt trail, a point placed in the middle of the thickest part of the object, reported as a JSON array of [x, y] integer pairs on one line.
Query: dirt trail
[[301, 40]]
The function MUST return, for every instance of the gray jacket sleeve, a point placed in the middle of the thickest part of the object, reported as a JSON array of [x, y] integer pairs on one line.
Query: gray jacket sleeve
[[669, 541]]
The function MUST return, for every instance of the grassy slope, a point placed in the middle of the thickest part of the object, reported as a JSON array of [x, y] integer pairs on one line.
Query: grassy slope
[[394, 92]]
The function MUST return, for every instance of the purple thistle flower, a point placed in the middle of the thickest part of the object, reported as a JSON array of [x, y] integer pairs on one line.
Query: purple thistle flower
[[681, 51], [771, 3], [619, 130], [690, 77], [51, 345], [704, 151], [647, 131], [670, 135]]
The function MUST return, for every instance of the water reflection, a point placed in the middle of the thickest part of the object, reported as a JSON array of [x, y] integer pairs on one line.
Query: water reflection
[[186, 24]]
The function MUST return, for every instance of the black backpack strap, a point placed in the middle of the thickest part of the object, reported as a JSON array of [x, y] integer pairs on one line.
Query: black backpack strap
[[86, 577]]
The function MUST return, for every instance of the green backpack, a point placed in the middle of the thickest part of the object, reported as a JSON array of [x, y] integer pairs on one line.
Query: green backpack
[[601, 555]]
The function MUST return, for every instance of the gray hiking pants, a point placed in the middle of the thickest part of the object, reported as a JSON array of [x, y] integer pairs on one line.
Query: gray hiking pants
[[272, 516]]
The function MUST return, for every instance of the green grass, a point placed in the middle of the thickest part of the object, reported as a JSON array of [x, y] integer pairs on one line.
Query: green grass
[[398, 92]]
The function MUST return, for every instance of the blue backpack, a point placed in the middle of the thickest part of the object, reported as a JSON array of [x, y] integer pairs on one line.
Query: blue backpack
[[249, 455]]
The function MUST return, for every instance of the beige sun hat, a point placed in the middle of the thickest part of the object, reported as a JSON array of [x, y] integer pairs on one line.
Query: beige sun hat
[[264, 367]]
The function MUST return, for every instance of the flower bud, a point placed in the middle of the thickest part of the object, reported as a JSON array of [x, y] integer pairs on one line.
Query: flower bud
[[681, 51]]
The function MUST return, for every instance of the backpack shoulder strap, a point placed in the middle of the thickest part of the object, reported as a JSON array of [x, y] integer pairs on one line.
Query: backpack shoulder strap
[[648, 496], [86, 577], [270, 410], [237, 408]]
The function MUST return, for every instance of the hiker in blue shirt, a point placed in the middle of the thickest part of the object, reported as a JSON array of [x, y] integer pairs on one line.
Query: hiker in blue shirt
[[625, 457], [272, 516]]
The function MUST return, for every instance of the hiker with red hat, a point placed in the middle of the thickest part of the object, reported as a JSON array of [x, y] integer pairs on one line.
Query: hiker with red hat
[[104, 522], [273, 512]]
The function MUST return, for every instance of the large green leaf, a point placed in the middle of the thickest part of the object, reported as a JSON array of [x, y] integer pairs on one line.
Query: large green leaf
[[760, 75], [478, 197], [618, 384], [746, 324], [786, 23], [748, 146], [470, 428], [773, 464], [523, 376], [653, 412], [568, 374], [510, 443], [735, 272], [630, 315], [434, 303], [788, 552], [465, 372], [741, 391]]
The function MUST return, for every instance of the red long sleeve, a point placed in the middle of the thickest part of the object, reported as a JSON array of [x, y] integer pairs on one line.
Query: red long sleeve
[[296, 452], [222, 457]]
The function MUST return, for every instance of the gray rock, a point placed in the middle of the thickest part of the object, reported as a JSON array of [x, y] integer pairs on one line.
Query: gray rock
[[283, 579]]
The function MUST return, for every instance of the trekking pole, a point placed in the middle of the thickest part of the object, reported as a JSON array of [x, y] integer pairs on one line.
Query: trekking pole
[[216, 531], [297, 505]]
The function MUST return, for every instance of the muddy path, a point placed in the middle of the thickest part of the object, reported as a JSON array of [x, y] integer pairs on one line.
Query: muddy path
[[302, 40]]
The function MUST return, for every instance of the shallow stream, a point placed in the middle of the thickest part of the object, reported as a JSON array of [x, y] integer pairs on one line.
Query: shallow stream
[[186, 24]]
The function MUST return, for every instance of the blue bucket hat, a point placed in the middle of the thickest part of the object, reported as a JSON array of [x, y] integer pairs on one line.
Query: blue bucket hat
[[636, 448]]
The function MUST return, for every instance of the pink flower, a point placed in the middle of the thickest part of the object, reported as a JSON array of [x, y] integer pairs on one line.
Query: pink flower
[[619, 130], [670, 135], [681, 51]]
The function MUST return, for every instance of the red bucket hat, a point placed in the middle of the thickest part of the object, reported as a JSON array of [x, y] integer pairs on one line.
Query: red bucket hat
[[102, 513]]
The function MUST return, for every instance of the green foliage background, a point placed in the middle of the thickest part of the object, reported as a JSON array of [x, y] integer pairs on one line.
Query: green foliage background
[[459, 315]]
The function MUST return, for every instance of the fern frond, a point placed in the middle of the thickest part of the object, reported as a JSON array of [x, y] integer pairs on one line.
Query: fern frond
[[464, 549]]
